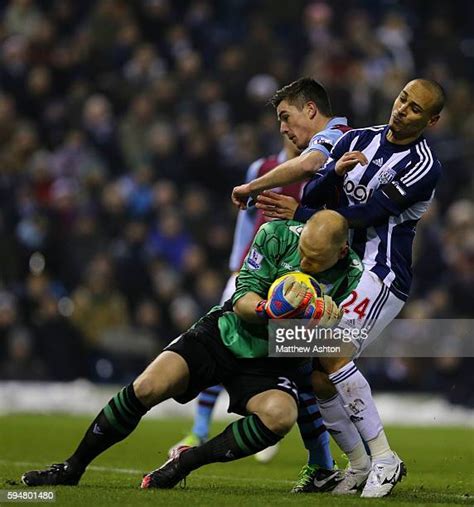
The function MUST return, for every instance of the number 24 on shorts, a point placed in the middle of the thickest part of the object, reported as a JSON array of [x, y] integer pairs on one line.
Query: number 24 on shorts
[[354, 305]]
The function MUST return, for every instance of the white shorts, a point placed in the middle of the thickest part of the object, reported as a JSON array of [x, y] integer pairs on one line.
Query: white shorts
[[371, 306], [229, 288]]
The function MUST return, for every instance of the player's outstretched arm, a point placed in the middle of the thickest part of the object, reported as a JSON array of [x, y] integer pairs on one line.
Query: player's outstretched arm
[[291, 171]]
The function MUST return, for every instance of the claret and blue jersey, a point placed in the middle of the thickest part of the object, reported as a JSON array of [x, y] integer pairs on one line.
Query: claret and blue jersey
[[325, 140], [249, 221], [382, 200]]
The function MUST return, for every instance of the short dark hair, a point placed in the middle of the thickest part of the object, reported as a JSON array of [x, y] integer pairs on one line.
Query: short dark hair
[[304, 90], [438, 91]]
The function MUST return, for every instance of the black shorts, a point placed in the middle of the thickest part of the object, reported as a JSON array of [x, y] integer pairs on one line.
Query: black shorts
[[210, 362]]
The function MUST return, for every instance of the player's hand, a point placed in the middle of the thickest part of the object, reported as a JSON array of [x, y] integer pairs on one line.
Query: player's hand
[[348, 161], [324, 312], [288, 301], [240, 195], [276, 205]]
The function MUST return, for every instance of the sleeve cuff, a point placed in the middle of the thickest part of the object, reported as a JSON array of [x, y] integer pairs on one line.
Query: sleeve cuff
[[303, 214]]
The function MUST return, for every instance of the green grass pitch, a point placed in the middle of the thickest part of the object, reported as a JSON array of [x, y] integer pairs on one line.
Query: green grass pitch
[[440, 465]]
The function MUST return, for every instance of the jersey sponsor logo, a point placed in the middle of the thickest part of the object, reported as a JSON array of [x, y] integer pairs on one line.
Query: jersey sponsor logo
[[296, 229], [254, 260], [386, 176], [359, 192]]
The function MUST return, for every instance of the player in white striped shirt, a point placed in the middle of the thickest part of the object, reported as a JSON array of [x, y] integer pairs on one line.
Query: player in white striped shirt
[[383, 179]]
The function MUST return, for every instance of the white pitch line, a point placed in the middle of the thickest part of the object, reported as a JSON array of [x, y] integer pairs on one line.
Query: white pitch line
[[132, 471]]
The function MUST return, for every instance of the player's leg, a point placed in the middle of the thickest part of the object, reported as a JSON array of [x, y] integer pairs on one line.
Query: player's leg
[[165, 377], [319, 474], [344, 432], [207, 399], [272, 413], [376, 308]]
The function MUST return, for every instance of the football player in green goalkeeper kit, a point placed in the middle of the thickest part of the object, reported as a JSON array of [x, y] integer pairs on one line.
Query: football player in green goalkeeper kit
[[229, 345]]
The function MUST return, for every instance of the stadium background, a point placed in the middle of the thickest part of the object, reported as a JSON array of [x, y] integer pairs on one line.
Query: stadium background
[[124, 126]]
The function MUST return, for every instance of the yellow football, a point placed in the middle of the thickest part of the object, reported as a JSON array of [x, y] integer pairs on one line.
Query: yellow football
[[308, 280]]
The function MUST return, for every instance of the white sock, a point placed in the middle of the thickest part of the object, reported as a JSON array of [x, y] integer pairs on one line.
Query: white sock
[[357, 399], [379, 447], [343, 431], [358, 458]]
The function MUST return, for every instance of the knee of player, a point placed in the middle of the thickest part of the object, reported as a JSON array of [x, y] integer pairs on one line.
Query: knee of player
[[145, 389], [280, 413]]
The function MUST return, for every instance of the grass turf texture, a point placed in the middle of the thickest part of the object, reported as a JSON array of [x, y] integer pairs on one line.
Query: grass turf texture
[[440, 467]]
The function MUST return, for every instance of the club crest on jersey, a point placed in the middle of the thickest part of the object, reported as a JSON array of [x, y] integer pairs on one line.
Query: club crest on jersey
[[254, 260], [386, 175]]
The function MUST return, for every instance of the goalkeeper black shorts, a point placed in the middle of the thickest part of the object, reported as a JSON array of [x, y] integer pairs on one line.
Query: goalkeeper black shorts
[[210, 362]]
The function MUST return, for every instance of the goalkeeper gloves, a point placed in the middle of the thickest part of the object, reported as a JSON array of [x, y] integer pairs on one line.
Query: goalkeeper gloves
[[324, 311], [288, 301]]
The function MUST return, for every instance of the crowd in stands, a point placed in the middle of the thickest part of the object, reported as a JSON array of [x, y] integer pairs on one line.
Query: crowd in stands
[[124, 125]]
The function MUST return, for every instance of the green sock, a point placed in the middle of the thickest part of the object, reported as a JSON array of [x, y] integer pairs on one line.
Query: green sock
[[242, 438], [114, 422]]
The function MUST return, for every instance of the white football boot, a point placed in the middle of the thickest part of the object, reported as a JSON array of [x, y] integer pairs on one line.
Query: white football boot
[[354, 481], [384, 475]]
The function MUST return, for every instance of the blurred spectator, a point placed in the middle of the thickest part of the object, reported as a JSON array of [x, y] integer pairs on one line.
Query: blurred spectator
[[22, 17], [59, 343], [169, 239], [97, 305], [134, 128]]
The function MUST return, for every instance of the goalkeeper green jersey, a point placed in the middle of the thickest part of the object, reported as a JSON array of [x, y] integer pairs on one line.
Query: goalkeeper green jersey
[[274, 252]]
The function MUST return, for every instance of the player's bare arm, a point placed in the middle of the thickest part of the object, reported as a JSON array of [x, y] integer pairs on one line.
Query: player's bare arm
[[291, 171], [245, 308]]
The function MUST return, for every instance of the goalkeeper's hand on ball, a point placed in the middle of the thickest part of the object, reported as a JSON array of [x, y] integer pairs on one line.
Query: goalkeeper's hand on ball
[[323, 311], [289, 300]]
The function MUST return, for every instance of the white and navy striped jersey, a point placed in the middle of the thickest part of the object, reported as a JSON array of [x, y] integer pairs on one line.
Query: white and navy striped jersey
[[382, 200]]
